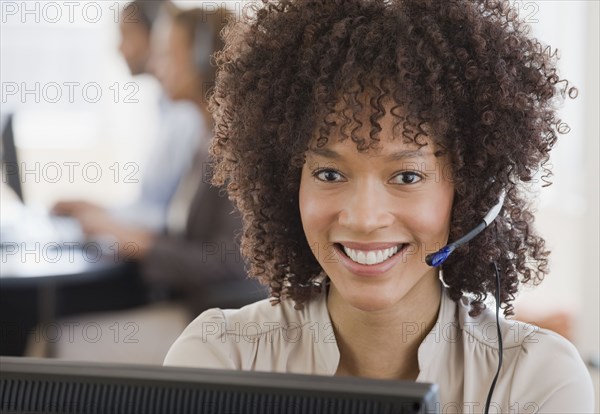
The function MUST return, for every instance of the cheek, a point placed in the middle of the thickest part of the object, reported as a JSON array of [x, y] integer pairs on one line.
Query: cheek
[[431, 220]]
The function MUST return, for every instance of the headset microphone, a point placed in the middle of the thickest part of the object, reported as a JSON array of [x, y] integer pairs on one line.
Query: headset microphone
[[439, 257]]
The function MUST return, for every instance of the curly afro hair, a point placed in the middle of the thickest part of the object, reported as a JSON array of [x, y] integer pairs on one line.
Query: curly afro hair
[[467, 70]]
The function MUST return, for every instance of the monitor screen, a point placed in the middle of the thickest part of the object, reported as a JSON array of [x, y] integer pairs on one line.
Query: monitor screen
[[10, 164], [35, 385]]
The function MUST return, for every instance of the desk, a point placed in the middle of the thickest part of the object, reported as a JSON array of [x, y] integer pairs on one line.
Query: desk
[[34, 263], [49, 270], [38, 285]]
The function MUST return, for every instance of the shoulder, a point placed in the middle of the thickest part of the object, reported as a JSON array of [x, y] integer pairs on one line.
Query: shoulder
[[184, 123], [192, 348], [545, 369], [241, 338], [208, 341], [482, 329], [182, 110], [562, 381]]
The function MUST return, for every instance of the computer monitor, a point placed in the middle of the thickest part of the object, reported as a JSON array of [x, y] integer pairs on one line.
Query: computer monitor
[[10, 164], [35, 385]]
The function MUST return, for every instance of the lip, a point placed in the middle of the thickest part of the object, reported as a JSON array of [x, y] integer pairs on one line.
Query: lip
[[370, 270]]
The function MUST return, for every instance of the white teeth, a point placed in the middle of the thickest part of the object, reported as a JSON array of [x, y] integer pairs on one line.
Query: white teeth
[[361, 257], [370, 257]]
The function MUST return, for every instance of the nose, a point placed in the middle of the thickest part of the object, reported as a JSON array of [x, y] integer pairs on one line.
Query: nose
[[366, 209]]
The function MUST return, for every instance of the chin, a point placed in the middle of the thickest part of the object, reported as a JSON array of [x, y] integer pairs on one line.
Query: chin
[[371, 302]]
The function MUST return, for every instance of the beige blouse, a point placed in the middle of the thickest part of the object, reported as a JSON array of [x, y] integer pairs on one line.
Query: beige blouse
[[541, 372]]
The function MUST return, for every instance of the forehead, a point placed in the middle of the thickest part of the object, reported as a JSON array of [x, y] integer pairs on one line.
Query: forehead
[[388, 149], [131, 25]]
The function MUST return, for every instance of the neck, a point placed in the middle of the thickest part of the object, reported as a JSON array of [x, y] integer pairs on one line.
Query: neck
[[384, 344]]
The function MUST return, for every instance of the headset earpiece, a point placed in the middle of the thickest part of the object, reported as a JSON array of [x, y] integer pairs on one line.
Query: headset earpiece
[[203, 47]]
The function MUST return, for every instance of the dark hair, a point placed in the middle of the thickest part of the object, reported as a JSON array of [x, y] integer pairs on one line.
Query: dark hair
[[143, 11], [203, 25], [468, 70]]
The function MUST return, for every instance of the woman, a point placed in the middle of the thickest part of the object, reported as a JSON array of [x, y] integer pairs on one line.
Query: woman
[[358, 137]]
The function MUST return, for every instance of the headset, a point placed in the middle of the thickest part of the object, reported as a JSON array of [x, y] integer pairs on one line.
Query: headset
[[439, 257], [203, 46]]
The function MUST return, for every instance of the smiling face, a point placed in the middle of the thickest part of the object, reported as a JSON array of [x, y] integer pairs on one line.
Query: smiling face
[[371, 218]]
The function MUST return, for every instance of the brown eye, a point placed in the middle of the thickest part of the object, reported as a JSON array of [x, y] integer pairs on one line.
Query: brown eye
[[328, 175], [407, 177]]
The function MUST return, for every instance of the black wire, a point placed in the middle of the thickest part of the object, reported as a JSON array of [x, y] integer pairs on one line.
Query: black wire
[[489, 397]]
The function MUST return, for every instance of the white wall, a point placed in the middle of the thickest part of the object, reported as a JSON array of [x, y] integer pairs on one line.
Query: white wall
[[568, 210], [74, 100]]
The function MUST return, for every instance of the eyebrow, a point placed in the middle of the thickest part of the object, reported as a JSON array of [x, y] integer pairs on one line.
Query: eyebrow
[[399, 155]]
